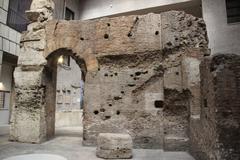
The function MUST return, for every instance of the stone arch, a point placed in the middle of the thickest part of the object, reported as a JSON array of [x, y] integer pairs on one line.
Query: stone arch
[[81, 61], [50, 81]]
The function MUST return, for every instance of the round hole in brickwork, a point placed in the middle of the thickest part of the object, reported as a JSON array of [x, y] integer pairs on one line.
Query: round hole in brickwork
[[115, 74], [105, 74], [122, 92], [110, 105], [106, 36], [96, 112], [82, 39], [118, 112], [138, 73], [177, 73], [108, 24], [157, 33]]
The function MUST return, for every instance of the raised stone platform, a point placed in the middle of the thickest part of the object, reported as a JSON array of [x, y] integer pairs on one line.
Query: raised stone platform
[[114, 146]]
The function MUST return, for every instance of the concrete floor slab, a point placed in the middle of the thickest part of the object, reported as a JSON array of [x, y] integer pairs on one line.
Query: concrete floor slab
[[70, 146], [36, 157]]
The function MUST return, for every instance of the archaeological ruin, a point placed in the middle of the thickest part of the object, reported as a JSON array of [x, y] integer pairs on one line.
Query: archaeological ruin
[[149, 76]]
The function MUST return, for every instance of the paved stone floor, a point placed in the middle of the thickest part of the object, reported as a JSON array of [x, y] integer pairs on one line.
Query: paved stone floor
[[69, 145]]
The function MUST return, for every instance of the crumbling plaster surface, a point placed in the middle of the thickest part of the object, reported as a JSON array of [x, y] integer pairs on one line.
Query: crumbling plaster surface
[[141, 76]]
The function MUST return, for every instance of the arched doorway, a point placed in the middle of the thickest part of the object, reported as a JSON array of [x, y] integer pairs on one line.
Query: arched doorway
[[54, 111]]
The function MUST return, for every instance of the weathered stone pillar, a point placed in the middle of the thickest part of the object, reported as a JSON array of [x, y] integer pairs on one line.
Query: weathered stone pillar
[[29, 119]]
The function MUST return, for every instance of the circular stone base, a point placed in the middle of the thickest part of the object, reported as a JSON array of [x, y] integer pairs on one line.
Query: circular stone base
[[36, 157]]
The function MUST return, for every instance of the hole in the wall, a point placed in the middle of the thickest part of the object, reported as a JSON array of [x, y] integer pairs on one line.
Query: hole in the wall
[[96, 112], [105, 74], [82, 39], [135, 78], [111, 75], [131, 75], [107, 117], [129, 34], [158, 104], [117, 147], [102, 110], [146, 72], [176, 39], [131, 85], [115, 74], [16, 107], [205, 103], [169, 43], [99, 69], [122, 92], [110, 105], [118, 112], [108, 24], [117, 98], [157, 33], [146, 140], [177, 73], [106, 36], [138, 73]]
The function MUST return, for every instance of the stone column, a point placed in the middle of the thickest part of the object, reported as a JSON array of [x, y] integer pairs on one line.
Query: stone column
[[29, 117]]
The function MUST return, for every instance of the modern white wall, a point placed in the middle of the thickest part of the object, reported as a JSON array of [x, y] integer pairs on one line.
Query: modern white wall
[[223, 37], [73, 5], [68, 87], [68, 100], [91, 9]]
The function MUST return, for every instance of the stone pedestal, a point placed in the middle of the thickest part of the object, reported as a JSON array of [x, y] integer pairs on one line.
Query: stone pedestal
[[114, 146]]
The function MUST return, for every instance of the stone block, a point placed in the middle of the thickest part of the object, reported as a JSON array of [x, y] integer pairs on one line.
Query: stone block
[[114, 146], [175, 143]]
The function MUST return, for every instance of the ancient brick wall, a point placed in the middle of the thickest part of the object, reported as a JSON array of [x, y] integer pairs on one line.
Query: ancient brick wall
[[215, 135], [141, 76]]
